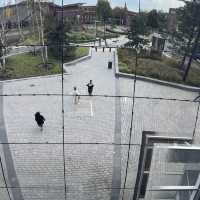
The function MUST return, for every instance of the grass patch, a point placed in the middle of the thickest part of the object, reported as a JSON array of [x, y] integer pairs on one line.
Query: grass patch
[[28, 65], [89, 36], [166, 69], [77, 37], [79, 52], [30, 40]]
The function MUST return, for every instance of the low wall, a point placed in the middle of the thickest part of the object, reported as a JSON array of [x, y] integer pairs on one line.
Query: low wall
[[79, 59], [152, 80]]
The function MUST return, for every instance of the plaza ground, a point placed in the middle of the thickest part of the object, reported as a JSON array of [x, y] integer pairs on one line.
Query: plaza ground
[[93, 164]]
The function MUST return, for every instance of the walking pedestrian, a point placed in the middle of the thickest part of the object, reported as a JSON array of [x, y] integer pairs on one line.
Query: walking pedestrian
[[76, 95], [90, 86], [40, 120]]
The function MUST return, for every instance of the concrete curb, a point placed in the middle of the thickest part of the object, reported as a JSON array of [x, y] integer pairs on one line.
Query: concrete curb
[[74, 62], [34, 77], [151, 80]]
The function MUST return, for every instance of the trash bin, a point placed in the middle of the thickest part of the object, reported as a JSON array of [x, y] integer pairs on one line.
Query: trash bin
[[110, 65]]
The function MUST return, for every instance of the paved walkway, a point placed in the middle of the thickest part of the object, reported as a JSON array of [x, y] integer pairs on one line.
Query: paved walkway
[[170, 117], [90, 169], [8, 169]]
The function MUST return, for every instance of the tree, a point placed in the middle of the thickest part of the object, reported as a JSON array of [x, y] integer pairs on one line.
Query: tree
[[138, 30], [2, 46], [104, 12], [162, 21], [152, 20], [19, 25], [38, 14], [41, 26], [118, 14], [2, 40], [188, 25], [31, 10], [57, 38], [1, 56]]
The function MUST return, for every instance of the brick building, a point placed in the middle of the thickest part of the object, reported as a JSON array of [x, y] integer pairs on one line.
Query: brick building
[[77, 13], [83, 14], [11, 15], [88, 14]]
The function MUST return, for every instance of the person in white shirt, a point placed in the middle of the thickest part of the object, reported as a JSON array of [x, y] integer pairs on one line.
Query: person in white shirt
[[76, 95]]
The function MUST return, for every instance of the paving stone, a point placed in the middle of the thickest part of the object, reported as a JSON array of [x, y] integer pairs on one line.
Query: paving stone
[[44, 194], [20, 120], [4, 194], [93, 120], [89, 168]]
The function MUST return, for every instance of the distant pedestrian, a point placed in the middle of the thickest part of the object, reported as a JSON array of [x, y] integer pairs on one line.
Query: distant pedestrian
[[90, 86], [76, 95], [40, 120]]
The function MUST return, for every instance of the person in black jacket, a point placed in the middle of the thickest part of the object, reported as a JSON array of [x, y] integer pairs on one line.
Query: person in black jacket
[[90, 87], [39, 119]]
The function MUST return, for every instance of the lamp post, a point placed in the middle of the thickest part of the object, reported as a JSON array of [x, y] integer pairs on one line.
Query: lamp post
[[139, 6], [96, 21]]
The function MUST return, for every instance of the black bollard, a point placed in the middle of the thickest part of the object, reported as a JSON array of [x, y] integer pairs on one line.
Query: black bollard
[[110, 65]]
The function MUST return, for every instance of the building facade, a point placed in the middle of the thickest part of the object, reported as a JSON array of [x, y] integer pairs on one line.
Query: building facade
[[21, 13], [77, 13], [81, 14], [88, 14]]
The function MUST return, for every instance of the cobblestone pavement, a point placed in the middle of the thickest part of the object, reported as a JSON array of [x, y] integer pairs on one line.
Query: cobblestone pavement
[[91, 121], [90, 168], [174, 118]]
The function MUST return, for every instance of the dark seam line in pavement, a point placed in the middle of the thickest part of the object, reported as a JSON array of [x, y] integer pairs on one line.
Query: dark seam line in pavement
[[131, 129], [196, 120], [4, 178], [71, 143], [88, 189], [9, 164], [63, 116], [61, 187], [116, 177], [102, 95]]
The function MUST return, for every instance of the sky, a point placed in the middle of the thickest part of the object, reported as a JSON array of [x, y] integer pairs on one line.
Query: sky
[[131, 4]]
